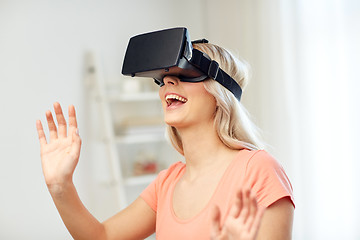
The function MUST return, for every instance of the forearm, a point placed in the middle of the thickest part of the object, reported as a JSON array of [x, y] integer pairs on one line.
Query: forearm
[[77, 219], [59, 158]]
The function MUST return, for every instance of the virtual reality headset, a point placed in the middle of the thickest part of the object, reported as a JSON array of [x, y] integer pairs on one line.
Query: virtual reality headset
[[170, 52]]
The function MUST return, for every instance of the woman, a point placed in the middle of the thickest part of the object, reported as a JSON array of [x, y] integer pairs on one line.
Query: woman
[[226, 186]]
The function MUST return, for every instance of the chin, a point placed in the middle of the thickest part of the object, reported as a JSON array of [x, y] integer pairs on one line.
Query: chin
[[173, 123]]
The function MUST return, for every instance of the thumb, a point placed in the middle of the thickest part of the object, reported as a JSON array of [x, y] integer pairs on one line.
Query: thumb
[[76, 143]]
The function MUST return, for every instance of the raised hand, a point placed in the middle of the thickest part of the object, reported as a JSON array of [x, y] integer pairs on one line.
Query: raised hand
[[243, 221], [60, 155]]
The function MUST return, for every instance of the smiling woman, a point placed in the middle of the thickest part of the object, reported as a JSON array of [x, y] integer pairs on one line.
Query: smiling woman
[[221, 191], [233, 125], [221, 149]]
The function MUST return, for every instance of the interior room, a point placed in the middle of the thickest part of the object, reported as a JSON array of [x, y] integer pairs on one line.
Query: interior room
[[303, 95]]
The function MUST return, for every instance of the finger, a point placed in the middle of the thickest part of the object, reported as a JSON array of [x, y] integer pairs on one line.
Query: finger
[[41, 134], [215, 222], [244, 214], [51, 125], [76, 146], [60, 119], [237, 206], [253, 208], [253, 205], [72, 118], [235, 210]]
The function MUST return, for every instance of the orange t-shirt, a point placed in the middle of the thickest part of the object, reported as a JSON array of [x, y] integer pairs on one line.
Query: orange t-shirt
[[255, 169]]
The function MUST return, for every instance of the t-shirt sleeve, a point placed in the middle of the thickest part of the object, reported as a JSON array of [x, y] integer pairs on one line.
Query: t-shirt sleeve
[[150, 193], [266, 177]]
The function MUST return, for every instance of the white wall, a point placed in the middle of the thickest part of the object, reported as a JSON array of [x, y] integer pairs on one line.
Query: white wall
[[253, 30], [42, 47], [42, 44], [304, 95]]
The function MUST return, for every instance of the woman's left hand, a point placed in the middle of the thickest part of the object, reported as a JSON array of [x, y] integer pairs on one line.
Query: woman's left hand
[[243, 221]]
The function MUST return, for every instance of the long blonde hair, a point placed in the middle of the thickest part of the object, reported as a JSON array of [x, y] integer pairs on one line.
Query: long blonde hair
[[232, 122]]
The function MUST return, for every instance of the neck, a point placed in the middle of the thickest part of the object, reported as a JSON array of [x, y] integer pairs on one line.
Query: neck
[[203, 149]]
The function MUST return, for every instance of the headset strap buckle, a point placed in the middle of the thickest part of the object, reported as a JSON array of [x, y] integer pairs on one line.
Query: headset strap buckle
[[213, 69]]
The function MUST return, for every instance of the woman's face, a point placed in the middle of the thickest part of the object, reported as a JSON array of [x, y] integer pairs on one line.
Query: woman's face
[[186, 104]]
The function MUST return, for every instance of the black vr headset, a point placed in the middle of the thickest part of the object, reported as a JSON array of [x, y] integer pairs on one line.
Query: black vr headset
[[170, 52]]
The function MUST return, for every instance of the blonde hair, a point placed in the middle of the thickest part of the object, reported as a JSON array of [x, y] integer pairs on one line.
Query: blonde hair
[[232, 122]]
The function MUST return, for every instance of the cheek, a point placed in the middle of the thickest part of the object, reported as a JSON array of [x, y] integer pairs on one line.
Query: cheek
[[208, 99], [203, 96], [208, 106], [205, 105]]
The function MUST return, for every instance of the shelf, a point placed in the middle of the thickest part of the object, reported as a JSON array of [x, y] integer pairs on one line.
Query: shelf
[[140, 180], [131, 113], [134, 97]]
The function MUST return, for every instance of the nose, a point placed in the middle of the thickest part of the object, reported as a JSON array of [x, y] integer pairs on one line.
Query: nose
[[170, 80]]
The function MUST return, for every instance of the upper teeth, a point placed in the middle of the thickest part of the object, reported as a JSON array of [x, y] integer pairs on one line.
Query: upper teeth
[[173, 96]]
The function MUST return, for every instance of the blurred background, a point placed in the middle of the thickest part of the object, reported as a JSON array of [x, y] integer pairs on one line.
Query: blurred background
[[303, 94]]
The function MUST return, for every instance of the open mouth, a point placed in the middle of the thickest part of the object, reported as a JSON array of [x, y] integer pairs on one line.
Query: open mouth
[[173, 100]]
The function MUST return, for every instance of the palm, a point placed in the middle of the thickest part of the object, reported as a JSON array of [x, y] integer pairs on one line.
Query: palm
[[243, 221], [60, 156], [56, 158], [236, 230]]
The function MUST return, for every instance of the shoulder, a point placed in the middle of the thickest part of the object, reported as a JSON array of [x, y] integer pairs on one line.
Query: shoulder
[[257, 159], [171, 172], [261, 164], [265, 175], [173, 168]]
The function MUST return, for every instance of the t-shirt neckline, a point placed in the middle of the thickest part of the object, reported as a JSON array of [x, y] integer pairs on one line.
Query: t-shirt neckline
[[206, 207]]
